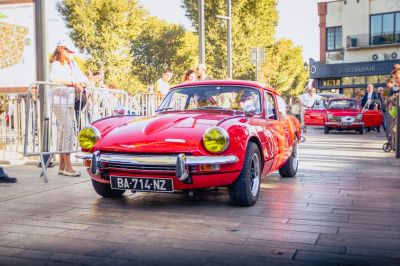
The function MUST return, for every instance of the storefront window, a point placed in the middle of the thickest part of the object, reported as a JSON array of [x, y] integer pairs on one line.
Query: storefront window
[[359, 80], [384, 78], [371, 79], [348, 92], [347, 81], [330, 82]]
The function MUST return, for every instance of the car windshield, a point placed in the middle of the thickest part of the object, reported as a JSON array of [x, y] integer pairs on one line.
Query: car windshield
[[343, 104], [212, 97]]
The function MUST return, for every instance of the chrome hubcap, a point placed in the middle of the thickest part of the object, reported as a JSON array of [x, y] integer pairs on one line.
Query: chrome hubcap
[[255, 174]]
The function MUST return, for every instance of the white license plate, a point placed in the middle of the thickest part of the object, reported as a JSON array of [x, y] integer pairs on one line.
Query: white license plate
[[142, 184]]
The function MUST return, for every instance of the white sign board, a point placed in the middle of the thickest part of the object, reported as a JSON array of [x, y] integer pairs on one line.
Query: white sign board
[[257, 55], [17, 45]]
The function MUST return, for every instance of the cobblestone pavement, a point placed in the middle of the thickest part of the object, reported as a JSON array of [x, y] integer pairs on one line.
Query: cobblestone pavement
[[343, 208]]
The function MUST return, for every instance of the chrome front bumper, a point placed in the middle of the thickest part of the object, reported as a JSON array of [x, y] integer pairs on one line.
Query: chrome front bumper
[[181, 161], [344, 124]]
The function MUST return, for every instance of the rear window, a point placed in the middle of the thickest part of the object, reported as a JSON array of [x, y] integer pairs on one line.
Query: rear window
[[343, 104]]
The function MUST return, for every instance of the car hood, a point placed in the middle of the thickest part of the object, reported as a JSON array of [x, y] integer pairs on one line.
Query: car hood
[[163, 133]]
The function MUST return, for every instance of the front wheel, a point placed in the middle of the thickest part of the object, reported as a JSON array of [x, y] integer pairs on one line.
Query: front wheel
[[289, 169], [326, 130], [245, 190], [105, 190], [361, 130]]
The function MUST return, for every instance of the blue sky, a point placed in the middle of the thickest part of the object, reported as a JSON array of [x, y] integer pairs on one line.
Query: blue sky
[[298, 21]]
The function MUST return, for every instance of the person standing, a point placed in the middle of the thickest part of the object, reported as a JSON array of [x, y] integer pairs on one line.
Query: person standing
[[382, 106], [370, 101], [202, 72], [65, 71], [189, 76], [307, 100], [162, 85], [389, 86]]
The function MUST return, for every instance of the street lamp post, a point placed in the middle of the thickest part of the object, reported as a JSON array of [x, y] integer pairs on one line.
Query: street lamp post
[[202, 43], [228, 18], [41, 55]]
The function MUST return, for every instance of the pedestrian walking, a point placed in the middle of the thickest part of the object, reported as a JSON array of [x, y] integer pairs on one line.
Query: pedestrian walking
[[189, 76], [202, 72], [307, 100], [65, 71], [162, 85]]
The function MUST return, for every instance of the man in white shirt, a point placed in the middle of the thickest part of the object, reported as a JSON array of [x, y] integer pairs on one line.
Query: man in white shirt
[[162, 85], [307, 100]]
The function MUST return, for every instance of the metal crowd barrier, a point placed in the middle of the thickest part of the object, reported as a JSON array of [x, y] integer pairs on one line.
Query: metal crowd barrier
[[145, 104], [43, 130], [12, 126]]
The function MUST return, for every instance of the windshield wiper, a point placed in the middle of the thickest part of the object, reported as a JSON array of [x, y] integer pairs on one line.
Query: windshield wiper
[[165, 109], [213, 108]]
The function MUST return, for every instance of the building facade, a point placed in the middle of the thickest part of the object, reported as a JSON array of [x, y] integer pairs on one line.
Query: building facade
[[359, 44]]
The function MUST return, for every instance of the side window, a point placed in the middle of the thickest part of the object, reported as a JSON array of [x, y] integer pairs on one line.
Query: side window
[[281, 106], [270, 106]]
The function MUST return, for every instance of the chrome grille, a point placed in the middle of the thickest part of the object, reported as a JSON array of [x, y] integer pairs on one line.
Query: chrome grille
[[124, 167], [339, 119]]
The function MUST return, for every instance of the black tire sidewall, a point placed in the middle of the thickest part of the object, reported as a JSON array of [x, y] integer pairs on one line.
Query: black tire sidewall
[[240, 191]]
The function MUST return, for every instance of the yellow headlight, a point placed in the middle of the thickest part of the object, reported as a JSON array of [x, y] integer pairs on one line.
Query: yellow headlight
[[88, 136], [216, 140]]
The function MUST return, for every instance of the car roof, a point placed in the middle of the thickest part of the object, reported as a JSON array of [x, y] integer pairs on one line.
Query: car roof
[[247, 83]]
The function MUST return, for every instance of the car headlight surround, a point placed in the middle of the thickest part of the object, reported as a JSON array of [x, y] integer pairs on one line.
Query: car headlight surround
[[88, 136], [216, 139], [330, 116]]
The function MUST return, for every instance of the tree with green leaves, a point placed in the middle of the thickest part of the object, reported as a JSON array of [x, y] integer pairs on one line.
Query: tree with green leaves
[[284, 68], [163, 45], [103, 30], [253, 25]]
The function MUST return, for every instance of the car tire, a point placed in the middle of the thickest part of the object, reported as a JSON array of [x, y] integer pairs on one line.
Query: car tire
[[289, 169], [326, 130], [361, 130], [245, 190], [105, 190]]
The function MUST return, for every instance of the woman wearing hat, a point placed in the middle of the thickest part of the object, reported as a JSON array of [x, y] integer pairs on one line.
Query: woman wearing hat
[[65, 71]]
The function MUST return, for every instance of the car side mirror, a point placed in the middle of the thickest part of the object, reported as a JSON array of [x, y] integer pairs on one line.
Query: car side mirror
[[249, 110]]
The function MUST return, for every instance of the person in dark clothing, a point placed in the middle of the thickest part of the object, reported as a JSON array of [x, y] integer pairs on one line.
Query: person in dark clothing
[[389, 86], [382, 106], [4, 178], [370, 101]]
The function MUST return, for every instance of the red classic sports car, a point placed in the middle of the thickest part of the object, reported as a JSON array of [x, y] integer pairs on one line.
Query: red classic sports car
[[205, 134], [342, 114]]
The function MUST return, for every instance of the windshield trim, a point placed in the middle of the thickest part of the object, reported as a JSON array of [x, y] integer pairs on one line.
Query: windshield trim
[[216, 85]]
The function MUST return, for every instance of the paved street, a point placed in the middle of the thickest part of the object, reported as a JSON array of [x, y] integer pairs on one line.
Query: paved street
[[343, 208]]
